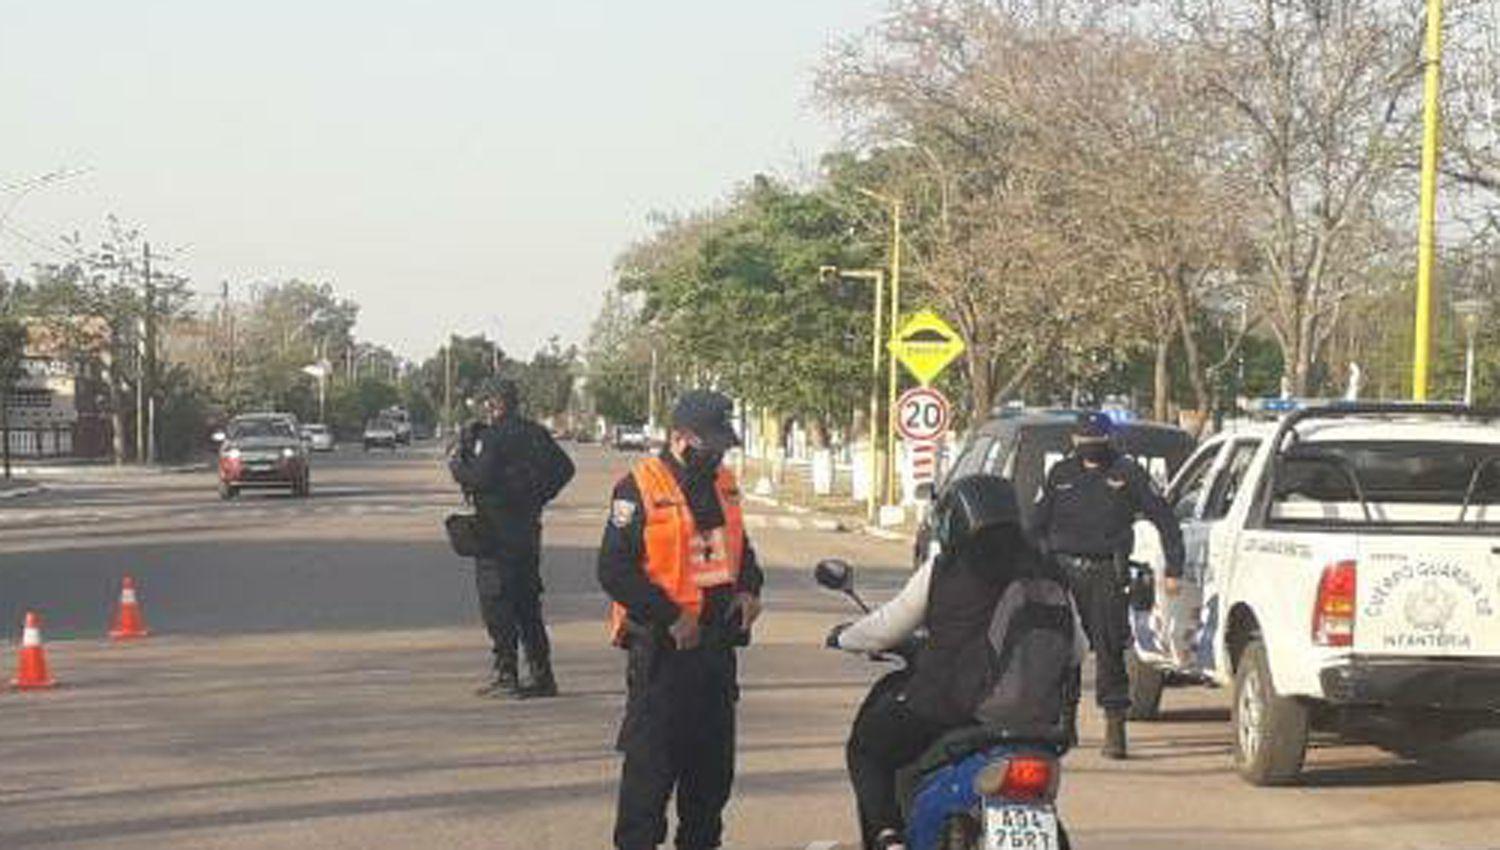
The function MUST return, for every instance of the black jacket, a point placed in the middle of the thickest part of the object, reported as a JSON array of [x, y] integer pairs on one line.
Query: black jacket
[[623, 549], [511, 470], [1090, 512]]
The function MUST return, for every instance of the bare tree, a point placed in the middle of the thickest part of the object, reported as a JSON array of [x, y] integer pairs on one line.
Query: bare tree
[[1325, 96]]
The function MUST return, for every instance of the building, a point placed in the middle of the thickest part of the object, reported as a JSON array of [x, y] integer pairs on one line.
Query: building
[[55, 408]]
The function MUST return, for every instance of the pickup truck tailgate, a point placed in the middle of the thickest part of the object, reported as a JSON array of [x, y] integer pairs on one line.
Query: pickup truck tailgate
[[1428, 596]]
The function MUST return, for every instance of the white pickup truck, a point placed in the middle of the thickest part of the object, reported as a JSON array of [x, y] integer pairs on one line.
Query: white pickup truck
[[1343, 575]]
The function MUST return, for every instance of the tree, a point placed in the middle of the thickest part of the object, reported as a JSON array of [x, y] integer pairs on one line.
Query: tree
[[12, 349], [617, 359], [737, 297], [546, 382], [937, 90], [1324, 96]]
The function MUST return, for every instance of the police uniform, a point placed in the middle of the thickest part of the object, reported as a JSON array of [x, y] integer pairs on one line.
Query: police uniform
[[674, 543], [511, 469], [1084, 519]]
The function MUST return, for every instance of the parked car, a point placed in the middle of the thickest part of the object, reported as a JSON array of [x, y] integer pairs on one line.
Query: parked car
[[632, 438], [1340, 578], [380, 433], [1023, 447], [262, 451], [319, 437]]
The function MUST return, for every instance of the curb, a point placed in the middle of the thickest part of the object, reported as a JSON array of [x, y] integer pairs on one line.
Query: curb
[[112, 471]]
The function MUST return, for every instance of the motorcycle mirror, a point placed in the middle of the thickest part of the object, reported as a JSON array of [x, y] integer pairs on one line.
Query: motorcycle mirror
[[834, 574]]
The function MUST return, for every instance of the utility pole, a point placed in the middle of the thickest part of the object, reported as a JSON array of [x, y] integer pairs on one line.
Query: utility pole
[[651, 396], [229, 343], [1427, 229], [148, 369], [448, 381]]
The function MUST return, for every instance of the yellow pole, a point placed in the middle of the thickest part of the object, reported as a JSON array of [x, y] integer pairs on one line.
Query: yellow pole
[[1426, 234], [890, 425], [872, 497]]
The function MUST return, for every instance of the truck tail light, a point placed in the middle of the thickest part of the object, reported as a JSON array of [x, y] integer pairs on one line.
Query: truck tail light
[[1333, 613]]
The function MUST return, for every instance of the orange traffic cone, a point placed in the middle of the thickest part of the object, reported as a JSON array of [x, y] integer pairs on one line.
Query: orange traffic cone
[[31, 669], [129, 624]]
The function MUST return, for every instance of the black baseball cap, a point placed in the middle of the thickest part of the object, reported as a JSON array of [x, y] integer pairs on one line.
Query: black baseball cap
[[1094, 427], [707, 415]]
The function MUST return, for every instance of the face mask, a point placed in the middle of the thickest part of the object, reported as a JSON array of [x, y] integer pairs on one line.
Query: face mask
[[701, 463], [1096, 453]]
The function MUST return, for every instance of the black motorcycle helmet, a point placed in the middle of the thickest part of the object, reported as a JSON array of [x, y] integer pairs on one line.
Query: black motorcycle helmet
[[975, 508]]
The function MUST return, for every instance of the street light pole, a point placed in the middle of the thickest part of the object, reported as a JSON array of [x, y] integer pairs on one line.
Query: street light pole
[[895, 322], [1468, 312], [877, 277]]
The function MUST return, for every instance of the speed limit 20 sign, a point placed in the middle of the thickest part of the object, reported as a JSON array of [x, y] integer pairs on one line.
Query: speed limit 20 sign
[[922, 414]]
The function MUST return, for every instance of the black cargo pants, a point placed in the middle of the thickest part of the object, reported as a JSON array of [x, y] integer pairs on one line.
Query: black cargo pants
[[678, 734], [1098, 587], [509, 582]]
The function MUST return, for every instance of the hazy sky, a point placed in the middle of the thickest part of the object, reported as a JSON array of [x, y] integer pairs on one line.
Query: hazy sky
[[464, 165]]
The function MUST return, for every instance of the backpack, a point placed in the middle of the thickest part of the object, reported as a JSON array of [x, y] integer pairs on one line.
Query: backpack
[[1032, 654]]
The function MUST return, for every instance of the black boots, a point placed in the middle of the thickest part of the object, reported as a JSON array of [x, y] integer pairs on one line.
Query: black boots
[[505, 680], [1114, 735], [541, 683]]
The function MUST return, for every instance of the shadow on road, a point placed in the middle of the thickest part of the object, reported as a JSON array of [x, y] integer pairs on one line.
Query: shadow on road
[[488, 801], [1472, 758], [232, 587]]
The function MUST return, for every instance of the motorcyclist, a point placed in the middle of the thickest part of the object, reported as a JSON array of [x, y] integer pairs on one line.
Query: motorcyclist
[[953, 596]]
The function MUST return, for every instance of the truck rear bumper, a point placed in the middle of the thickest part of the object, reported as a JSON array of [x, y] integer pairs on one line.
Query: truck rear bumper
[[1466, 684]]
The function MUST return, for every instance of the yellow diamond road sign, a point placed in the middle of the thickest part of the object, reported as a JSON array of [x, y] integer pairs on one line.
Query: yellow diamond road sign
[[926, 344]]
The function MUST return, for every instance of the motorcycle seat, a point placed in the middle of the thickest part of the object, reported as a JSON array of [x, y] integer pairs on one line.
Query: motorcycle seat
[[963, 742]]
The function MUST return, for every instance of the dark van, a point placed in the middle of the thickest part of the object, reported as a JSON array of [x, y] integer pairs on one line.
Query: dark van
[[1024, 446]]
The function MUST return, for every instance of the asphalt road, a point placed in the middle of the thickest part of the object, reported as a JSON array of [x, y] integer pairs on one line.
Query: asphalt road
[[308, 684]]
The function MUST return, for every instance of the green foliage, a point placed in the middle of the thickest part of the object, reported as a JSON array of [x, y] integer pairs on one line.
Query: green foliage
[[546, 382], [737, 300], [350, 406]]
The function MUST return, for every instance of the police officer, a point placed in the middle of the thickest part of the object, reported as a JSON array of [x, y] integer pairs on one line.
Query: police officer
[[511, 467], [686, 586], [1084, 519]]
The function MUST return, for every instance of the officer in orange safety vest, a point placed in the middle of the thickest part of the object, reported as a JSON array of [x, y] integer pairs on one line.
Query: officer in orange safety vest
[[686, 591]]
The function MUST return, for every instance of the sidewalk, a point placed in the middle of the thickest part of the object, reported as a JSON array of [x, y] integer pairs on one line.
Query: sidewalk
[[794, 492], [76, 468]]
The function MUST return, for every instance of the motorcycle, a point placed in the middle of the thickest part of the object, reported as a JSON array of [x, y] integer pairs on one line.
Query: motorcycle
[[978, 787]]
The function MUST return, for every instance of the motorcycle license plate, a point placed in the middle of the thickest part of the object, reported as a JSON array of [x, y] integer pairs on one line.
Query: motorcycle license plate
[[1013, 827]]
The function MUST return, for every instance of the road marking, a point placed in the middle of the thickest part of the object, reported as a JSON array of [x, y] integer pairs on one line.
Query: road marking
[[823, 845]]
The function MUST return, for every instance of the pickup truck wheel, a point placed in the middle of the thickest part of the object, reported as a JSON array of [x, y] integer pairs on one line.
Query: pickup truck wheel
[[1146, 685], [1270, 731]]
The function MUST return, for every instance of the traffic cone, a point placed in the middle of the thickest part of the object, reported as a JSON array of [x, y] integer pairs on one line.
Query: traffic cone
[[31, 667], [129, 624]]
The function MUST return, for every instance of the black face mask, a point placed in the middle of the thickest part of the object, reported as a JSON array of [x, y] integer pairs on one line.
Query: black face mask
[[1100, 454], [701, 463]]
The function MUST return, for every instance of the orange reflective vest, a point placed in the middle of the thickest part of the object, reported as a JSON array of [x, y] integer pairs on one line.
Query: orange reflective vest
[[679, 559]]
